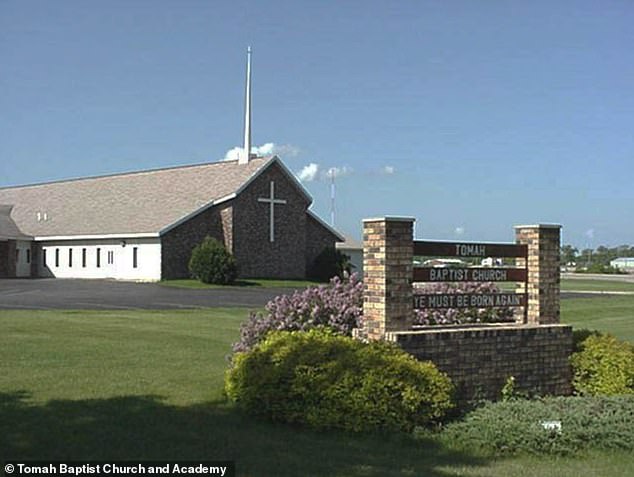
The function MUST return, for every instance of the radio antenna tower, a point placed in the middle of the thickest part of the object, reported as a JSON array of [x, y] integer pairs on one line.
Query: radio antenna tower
[[332, 197]]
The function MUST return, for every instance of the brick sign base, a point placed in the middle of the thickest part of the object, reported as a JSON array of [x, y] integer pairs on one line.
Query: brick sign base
[[480, 359]]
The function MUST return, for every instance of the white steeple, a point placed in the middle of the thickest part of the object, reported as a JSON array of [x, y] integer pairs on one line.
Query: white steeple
[[246, 152]]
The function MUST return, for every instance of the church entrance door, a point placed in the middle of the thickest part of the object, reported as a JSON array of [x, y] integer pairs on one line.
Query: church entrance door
[[110, 262]]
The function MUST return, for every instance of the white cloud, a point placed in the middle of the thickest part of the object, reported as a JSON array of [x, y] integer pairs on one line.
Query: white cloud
[[459, 230], [233, 154], [589, 233], [266, 149], [337, 172], [283, 150], [309, 172], [388, 170]]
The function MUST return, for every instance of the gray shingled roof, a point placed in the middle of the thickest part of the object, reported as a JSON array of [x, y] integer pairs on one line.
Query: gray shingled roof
[[8, 228], [350, 243], [130, 203]]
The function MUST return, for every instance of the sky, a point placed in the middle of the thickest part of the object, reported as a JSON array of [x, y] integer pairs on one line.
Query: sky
[[470, 116]]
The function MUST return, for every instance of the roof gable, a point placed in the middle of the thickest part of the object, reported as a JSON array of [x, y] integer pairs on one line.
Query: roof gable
[[8, 228], [316, 218]]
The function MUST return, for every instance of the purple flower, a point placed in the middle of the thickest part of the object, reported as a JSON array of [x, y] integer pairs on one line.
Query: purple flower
[[337, 305]]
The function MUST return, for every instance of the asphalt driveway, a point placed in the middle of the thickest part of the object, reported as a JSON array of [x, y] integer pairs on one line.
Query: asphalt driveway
[[71, 294], [55, 293]]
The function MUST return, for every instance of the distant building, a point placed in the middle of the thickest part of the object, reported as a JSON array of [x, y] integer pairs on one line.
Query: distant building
[[491, 262], [623, 263], [444, 262]]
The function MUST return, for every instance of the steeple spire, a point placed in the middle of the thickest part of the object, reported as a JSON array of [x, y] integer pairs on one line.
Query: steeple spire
[[246, 153]]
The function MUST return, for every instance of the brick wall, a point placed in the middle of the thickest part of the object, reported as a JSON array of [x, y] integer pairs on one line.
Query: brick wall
[[387, 276], [243, 225], [256, 254], [543, 243], [479, 360], [11, 263], [318, 238], [4, 259], [177, 244], [36, 257]]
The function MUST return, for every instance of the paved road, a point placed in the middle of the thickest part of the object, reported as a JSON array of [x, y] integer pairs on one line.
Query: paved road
[[47, 293]]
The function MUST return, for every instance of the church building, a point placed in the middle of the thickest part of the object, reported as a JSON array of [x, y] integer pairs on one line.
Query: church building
[[143, 225]]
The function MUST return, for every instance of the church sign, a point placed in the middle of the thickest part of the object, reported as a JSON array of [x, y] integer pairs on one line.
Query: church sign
[[465, 250], [472, 274], [450, 274], [468, 300]]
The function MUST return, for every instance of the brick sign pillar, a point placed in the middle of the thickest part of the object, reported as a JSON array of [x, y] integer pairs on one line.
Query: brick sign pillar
[[543, 271], [387, 275]]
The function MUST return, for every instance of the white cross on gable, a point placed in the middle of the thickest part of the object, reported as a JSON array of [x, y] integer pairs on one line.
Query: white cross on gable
[[272, 201]]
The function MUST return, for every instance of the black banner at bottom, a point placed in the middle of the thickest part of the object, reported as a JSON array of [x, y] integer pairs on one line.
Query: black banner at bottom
[[128, 468]]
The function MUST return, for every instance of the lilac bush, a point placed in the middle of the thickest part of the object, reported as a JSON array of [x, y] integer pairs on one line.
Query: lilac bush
[[454, 316], [337, 305]]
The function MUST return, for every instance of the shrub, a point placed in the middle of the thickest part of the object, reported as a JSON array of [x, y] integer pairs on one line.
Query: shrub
[[455, 316], [604, 366], [325, 380], [212, 263], [328, 264], [337, 305], [517, 426], [601, 268], [579, 335]]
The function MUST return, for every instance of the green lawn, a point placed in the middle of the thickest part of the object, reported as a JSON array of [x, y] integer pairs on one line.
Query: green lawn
[[247, 282], [596, 285], [147, 385], [613, 314]]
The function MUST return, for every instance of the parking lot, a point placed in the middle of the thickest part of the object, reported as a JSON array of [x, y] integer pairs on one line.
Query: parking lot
[[52, 293]]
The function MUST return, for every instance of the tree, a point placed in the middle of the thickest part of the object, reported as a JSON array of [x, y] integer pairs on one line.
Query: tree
[[568, 254], [330, 263]]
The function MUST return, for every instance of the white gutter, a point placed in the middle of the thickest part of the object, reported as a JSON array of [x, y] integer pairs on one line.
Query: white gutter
[[95, 237]]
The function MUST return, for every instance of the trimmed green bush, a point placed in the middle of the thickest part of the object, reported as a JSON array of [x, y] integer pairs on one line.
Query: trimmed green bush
[[326, 380], [522, 426], [211, 262], [603, 366]]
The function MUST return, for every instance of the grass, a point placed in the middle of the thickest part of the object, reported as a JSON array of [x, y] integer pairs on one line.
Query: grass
[[146, 385], [612, 314], [596, 285], [247, 282], [583, 285], [104, 354]]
